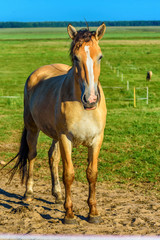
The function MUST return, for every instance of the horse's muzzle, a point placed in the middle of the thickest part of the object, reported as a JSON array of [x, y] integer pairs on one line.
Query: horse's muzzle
[[90, 101]]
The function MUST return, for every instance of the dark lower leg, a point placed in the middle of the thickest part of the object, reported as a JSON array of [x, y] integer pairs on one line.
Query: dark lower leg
[[68, 176], [92, 177], [93, 153], [68, 180]]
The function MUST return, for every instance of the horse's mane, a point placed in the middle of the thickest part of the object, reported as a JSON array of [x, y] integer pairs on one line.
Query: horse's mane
[[83, 35]]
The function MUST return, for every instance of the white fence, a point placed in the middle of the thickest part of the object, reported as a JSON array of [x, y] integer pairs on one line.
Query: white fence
[[134, 99], [121, 76], [76, 237], [125, 99]]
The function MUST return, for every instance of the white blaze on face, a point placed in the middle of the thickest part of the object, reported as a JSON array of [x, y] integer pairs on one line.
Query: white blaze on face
[[89, 64]]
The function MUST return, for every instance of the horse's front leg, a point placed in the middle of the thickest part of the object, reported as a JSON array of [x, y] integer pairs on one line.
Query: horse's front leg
[[68, 177], [92, 171]]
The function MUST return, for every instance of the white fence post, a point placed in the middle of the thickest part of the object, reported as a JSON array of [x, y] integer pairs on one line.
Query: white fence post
[[122, 77], [147, 95]]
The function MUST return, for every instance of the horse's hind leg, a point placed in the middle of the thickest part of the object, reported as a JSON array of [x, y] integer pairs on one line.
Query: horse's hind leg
[[32, 136], [54, 158]]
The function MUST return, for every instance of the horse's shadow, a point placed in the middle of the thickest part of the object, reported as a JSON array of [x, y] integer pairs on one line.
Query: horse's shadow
[[12, 199], [12, 196], [6, 203]]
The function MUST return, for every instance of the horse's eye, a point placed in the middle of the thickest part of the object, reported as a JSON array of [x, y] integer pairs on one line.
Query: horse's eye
[[76, 59], [100, 57]]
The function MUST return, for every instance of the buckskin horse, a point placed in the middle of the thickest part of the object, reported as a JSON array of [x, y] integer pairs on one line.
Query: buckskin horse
[[68, 105]]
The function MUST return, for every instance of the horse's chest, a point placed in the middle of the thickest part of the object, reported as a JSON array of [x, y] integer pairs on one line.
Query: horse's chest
[[84, 131]]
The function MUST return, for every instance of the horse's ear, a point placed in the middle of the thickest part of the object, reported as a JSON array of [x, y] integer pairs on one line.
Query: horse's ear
[[100, 31], [71, 31]]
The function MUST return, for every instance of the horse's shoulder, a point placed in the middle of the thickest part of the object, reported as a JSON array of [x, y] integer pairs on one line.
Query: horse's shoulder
[[46, 72]]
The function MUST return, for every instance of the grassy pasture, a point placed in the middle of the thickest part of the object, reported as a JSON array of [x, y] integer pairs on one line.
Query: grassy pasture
[[131, 150]]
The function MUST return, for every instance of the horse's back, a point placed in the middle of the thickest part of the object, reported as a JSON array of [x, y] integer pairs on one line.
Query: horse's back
[[46, 72]]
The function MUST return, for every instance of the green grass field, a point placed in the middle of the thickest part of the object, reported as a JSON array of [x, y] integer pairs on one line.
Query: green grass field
[[131, 150]]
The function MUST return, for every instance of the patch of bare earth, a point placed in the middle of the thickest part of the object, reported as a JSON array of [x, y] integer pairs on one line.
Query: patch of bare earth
[[126, 210]]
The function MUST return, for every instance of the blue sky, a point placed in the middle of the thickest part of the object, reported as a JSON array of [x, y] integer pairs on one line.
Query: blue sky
[[72, 10]]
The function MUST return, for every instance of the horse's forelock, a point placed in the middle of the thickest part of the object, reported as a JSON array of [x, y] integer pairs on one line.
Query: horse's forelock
[[81, 37]]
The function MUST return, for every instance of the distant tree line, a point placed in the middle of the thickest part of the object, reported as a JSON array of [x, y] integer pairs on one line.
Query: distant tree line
[[77, 24]]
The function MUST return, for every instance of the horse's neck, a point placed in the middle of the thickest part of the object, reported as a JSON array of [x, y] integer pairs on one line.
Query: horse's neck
[[72, 85]]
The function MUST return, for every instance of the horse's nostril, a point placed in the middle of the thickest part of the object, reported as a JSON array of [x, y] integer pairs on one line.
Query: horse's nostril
[[84, 98]]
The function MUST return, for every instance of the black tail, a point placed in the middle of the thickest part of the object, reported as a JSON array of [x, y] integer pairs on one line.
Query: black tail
[[22, 157]]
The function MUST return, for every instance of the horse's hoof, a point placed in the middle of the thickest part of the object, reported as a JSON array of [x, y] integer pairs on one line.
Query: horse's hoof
[[59, 201], [95, 219], [28, 197], [69, 221]]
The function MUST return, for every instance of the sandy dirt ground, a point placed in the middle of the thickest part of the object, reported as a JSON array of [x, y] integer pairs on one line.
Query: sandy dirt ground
[[125, 210]]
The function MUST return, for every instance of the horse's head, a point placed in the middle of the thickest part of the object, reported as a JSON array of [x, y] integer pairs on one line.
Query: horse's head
[[86, 57]]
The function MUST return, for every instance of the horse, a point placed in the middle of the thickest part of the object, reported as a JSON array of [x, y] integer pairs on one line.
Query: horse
[[149, 75], [68, 105]]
